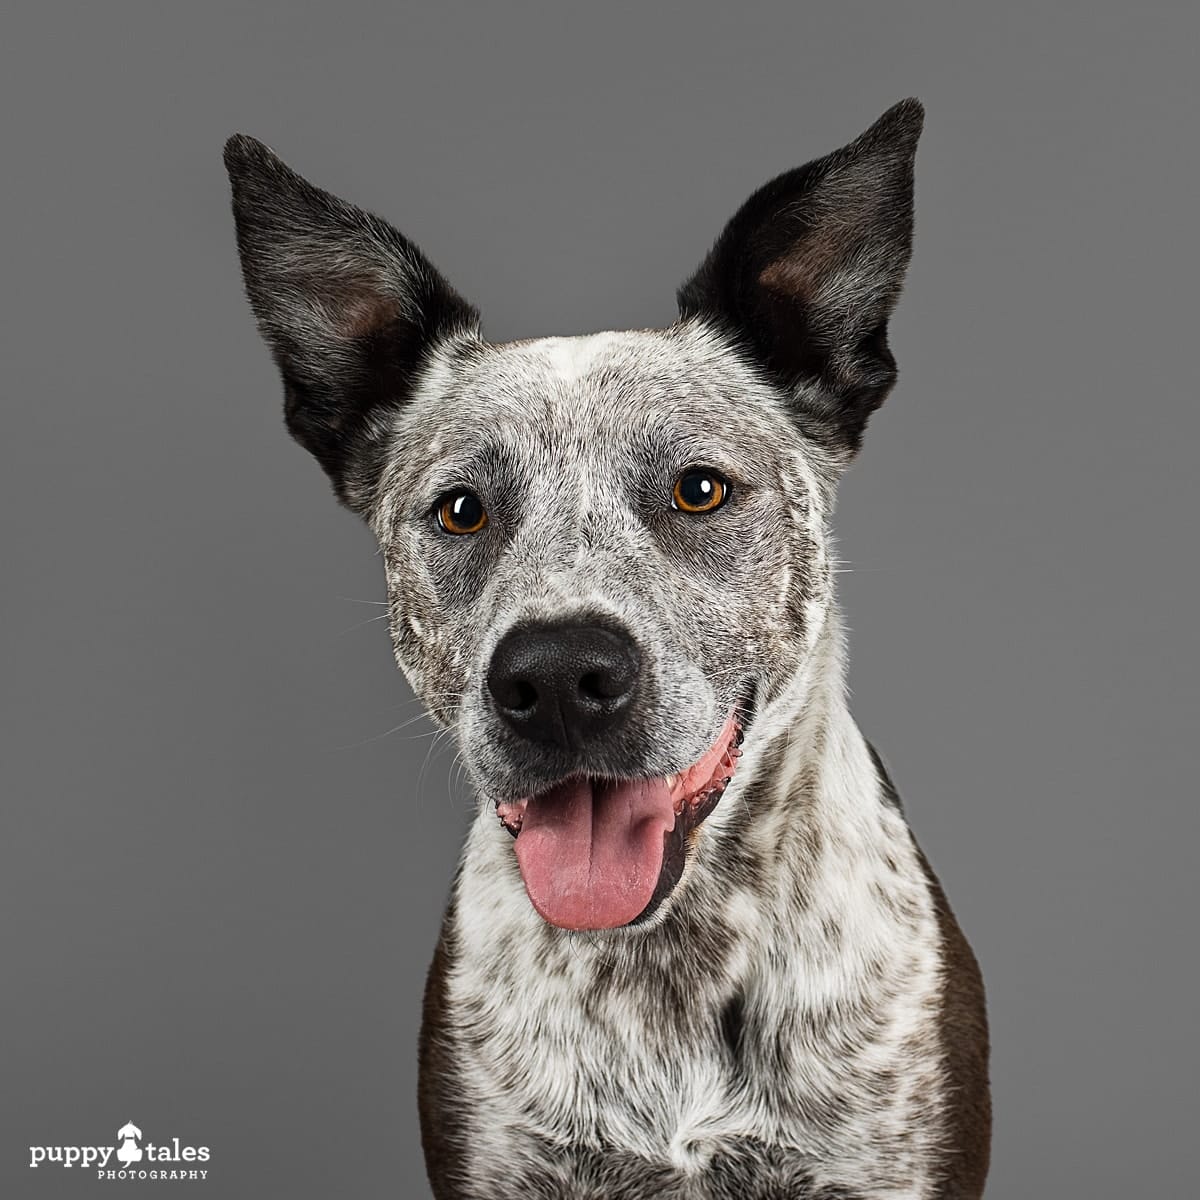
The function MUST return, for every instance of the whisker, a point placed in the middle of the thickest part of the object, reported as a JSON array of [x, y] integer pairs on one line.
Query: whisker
[[360, 624]]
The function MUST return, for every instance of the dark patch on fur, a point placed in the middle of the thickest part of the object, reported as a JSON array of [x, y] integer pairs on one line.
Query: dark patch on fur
[[965, 1045], [831, 928], [443, 1131], [732, 1022], [963, 1033]]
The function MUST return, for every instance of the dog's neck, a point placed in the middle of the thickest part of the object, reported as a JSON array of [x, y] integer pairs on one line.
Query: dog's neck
[[805, 758]]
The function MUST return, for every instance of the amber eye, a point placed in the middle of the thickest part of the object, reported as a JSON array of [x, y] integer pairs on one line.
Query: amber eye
[[461, 512], [699, 491]]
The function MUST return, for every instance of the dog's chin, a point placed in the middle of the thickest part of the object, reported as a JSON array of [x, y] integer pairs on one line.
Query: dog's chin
[[599, 853]]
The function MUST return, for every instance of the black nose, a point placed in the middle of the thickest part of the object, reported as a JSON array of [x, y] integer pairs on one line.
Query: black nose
[[564, 684]]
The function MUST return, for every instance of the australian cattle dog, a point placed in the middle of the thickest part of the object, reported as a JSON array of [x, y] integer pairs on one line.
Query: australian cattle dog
[[692, 949]]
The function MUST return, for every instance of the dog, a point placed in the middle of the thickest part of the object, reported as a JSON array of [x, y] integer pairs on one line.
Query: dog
[[692, 949]]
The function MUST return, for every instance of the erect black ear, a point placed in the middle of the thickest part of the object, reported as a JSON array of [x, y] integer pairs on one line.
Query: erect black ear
[[808, 271], [349, 307]]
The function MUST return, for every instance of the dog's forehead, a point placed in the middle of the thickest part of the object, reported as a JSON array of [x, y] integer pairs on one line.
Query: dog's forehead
[[598, 395], [582, 358], [631, 360]]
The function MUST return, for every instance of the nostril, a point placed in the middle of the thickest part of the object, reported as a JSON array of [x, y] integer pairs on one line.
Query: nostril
[[591, 687], [604, 685], [514, 694]]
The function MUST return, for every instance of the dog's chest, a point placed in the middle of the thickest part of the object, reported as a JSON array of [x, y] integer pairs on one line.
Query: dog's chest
[[691, 1073], [611, 1066]]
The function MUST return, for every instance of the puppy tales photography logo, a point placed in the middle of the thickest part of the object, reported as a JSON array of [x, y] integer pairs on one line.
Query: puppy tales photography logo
[[131, 1158]]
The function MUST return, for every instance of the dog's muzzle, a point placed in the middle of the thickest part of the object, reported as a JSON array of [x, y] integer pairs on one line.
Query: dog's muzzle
[[597, 851]]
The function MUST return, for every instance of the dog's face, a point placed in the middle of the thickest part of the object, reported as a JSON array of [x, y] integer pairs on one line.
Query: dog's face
[[604, 554], [646, 484]]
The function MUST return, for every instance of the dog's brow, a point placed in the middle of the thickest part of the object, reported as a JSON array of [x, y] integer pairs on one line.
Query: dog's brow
[[669, 445], [474, 467]]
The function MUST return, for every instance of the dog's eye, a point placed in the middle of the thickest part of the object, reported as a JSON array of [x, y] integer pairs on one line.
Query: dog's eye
[[700, 491], [461, 512]]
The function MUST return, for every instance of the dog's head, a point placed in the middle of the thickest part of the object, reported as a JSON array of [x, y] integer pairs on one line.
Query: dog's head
[[606, 554]]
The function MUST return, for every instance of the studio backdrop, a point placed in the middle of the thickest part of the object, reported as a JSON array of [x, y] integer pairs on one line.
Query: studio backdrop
[[227, 832]]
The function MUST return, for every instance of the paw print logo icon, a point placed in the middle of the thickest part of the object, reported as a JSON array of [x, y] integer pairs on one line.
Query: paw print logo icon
[[129, 1151]]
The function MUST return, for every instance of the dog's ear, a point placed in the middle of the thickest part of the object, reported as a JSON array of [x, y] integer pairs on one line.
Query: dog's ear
[[808, 271], [349, 307]]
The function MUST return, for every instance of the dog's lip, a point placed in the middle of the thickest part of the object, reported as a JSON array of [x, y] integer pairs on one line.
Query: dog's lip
[[689, 787], [695, 790]]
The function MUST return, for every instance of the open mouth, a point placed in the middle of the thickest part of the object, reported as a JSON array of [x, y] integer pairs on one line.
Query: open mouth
[[602, 853]]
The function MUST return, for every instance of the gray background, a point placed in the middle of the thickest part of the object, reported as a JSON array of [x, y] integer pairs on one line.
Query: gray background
[[224, 848]]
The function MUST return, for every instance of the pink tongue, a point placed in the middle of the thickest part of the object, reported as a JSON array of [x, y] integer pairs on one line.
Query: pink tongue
[[591, 854]]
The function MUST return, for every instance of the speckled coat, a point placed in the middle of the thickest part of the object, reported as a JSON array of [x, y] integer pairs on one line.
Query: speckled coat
[[799, 1016]]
